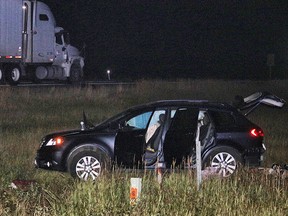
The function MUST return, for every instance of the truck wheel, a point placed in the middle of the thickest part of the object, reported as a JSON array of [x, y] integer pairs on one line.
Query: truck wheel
[[75, 74], [224, 159], [1, 76], [13, 75], [87, 163]]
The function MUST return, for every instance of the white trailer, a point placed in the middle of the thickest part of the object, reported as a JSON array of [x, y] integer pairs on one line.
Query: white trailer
[[33, 47]]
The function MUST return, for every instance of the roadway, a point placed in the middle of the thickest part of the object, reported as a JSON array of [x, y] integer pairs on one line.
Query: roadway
[[63, 84]]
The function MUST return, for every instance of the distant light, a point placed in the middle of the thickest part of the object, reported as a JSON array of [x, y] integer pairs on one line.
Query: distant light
[[108, 74], [24, 7]]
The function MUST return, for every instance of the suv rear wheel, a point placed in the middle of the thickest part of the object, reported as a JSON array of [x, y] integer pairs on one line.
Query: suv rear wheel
[[225, 159]]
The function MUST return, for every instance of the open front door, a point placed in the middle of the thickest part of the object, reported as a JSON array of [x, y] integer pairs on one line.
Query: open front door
[[130, 140], [139, 142], [129, 147]]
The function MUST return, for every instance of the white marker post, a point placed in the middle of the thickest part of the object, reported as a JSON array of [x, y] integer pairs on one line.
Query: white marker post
[[135, 190], [198, 152]]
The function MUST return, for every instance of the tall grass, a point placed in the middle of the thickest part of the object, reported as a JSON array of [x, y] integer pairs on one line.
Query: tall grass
[[29, 113], [178, 196]]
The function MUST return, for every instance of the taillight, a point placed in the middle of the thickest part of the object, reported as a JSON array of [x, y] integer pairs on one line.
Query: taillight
[[256, 132]]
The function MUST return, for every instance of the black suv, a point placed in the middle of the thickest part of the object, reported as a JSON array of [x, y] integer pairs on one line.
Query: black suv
[[162, 131]]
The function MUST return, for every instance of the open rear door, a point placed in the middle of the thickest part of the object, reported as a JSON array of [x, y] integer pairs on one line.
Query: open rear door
[[251, 102]]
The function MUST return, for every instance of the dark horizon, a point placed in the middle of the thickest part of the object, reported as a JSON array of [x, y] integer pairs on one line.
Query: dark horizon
[[196, 39]]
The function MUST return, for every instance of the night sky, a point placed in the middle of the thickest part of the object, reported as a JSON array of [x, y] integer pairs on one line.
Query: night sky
[[172, 39]]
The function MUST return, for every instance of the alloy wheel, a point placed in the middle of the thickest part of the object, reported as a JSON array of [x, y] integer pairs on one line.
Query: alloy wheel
[[225, 163], [88, 168]]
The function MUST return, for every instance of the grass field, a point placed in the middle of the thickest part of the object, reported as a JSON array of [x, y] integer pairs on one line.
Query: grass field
[[29, 113]]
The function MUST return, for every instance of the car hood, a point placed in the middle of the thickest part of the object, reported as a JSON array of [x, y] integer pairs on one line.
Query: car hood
[[63, 133], [75, 132], [251, 102]]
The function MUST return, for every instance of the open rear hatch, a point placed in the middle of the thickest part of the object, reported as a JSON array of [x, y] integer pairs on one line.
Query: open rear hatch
[[250, 103]]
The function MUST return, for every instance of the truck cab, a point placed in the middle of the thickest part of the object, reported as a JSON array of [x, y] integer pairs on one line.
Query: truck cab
[[33, 47]]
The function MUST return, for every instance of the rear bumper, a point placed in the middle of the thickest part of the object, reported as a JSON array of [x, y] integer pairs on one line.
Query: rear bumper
[[254, 157], [253, 161]]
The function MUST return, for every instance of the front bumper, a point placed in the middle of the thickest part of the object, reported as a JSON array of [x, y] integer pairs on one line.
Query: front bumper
[[48, 161], [43, 164]]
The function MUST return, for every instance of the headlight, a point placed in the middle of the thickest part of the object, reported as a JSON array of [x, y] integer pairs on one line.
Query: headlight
[[55, 141]]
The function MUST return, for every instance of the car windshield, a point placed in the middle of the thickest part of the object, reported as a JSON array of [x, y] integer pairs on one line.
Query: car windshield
[[117, 118], [112, 119]]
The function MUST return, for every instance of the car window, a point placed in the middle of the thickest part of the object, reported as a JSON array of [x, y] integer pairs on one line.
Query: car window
[[156, 123], [185, 119], [155, 117], [140, 121], [173, 111], [222, 118]]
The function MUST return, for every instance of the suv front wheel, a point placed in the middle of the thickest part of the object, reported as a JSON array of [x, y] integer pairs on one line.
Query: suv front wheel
[[225, 159], [87, 163]]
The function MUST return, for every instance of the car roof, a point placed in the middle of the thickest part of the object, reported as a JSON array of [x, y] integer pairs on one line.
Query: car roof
[[186, 102], [204, 104]]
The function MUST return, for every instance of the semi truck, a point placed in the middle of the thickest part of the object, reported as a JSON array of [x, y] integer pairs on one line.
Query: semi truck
[[32, 47]]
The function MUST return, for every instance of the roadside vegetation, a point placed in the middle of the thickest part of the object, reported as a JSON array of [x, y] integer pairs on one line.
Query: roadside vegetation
[[29, 113]]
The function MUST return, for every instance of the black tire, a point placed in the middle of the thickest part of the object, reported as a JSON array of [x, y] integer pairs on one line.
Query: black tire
[[225, 159], [34, 77], [87, 162], [1, 75], [13, 75], [75, 74]]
